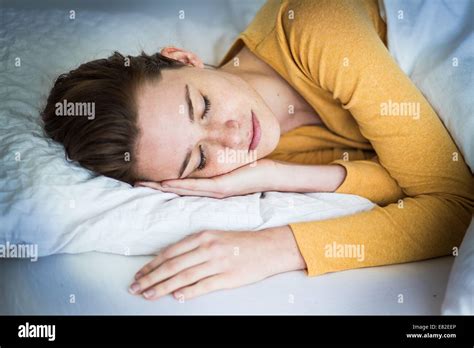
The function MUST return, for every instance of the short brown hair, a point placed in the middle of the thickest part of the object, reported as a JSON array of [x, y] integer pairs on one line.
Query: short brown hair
[[106, 143]]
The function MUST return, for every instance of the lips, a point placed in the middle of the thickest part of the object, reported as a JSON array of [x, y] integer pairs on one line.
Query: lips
[[256, 133]]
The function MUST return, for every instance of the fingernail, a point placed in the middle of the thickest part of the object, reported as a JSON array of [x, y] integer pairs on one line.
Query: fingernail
[[178, 295], [134, 288], [138, 275], [149, 293]]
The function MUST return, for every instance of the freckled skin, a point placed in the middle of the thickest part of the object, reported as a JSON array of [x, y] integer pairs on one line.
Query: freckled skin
[[234, 92], [167, 133]]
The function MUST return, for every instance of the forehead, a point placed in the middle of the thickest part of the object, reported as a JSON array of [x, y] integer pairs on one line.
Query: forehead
[[164, 86], [164, 128]]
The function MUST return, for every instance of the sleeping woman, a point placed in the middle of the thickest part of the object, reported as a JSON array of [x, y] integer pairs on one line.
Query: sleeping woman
[[307, 99]]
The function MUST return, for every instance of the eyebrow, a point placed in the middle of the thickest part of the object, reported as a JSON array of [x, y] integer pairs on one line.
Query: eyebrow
[[187, 96]]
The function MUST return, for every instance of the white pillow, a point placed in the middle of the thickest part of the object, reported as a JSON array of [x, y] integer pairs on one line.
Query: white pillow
[[432, 41], [47, 201], [459, 298]]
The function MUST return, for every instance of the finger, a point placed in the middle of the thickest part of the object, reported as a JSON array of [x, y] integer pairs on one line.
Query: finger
[[188, 192], [169, 268], [183, 246], [150, 184], [204, 286], [208, 185], [182, 279], [178, 190]]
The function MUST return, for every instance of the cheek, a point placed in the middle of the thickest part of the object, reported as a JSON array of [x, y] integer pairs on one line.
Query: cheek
[[233, 101], [226, 160]]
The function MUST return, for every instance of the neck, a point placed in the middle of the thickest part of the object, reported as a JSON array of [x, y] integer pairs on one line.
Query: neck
[[275, 91]]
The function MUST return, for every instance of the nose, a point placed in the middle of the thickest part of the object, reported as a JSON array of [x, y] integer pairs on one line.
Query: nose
[[227, 134]]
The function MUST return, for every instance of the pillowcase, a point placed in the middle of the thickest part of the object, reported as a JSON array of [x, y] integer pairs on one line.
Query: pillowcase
[[438, 59]]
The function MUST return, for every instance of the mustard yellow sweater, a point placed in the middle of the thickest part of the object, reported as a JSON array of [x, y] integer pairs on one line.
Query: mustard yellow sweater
[[333, 53]]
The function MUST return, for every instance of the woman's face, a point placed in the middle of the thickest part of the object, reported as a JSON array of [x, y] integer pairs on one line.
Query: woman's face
[[198, 122]]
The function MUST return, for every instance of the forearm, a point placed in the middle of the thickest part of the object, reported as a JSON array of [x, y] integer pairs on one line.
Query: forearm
[[308, 178], [427, 226], [283, 250]]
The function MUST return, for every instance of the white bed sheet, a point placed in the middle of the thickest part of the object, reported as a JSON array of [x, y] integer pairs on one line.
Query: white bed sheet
[[99, 284]]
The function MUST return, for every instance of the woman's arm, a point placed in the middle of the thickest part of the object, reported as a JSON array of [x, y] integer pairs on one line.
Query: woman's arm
[[366, 178], [263, 175], [340, 49], [213, 260], [308, 178]]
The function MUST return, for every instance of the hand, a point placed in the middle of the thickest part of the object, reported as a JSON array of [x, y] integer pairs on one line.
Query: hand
[[253, 177], [213, 260], [260, 176]]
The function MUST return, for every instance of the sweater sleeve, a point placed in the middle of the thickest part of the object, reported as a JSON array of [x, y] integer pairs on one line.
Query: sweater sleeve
[[364, 175], [336, 44], [370, 180]]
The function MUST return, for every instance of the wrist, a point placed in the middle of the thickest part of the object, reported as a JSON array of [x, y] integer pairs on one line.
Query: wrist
[[284, 251], [272, 174], [283, 177], [289, 177]]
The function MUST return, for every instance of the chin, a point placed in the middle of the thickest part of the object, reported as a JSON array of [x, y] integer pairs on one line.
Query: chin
[[273, 134], [270, 128], [271, 138]]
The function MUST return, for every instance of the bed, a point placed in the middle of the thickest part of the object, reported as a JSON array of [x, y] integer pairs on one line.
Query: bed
[[86, 265], [96, 283]]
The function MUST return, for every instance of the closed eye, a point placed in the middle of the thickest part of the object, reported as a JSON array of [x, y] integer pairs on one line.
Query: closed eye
[[207, 106], [202, 162]]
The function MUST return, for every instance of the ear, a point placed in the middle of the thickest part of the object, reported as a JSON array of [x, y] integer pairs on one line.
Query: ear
[[183, 56]]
